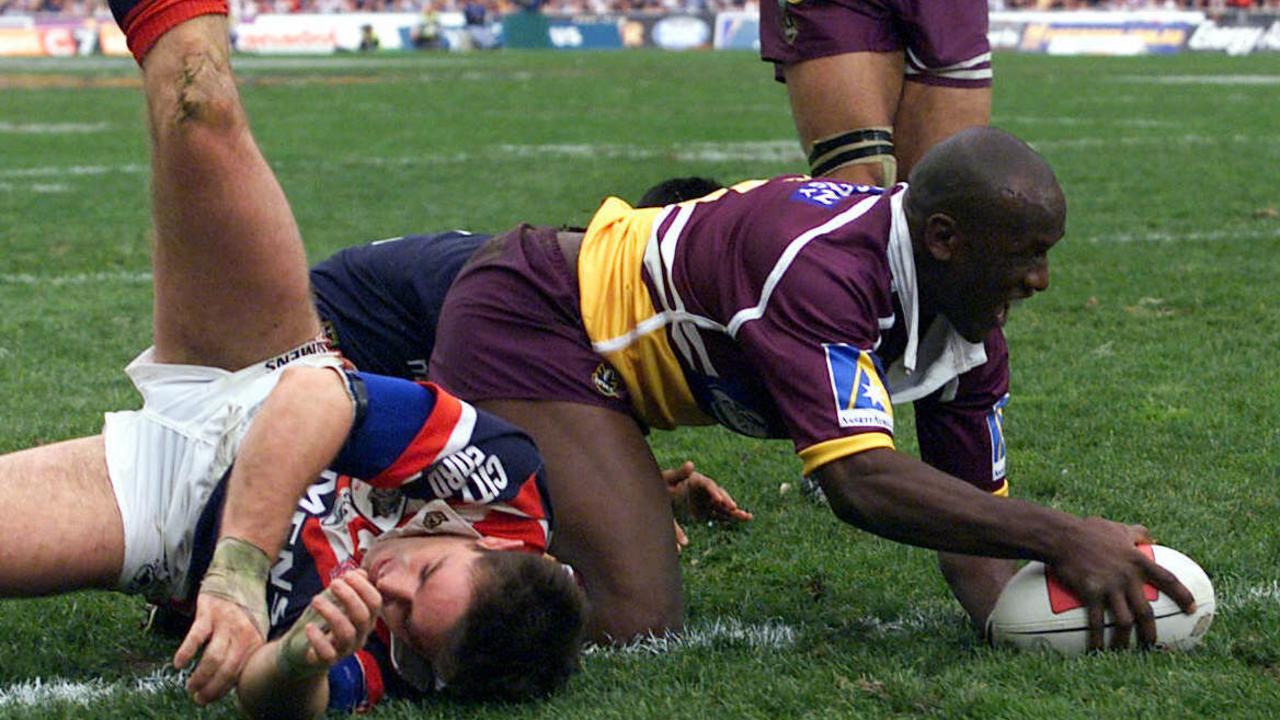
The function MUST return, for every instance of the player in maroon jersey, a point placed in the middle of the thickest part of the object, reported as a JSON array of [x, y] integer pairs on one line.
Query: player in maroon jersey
[[797, 308]]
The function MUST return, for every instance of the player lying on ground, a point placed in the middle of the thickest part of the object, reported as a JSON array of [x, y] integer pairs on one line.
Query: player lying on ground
[[379, 304], [874, 85], [427, 573], [788, 308]]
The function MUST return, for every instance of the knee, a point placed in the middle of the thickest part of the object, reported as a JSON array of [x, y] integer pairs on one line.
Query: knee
[[621, 619], [189, 83]]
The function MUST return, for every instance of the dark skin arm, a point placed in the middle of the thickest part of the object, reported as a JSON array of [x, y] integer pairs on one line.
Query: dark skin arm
[[897, 497]]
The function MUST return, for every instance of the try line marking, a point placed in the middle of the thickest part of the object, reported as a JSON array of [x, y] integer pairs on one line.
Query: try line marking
[[715, 632]]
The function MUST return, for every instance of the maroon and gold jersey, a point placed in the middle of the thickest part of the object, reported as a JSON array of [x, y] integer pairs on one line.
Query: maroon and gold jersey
[[787, 308]]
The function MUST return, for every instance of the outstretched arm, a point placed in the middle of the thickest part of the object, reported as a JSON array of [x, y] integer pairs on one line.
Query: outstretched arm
[[900, 498]]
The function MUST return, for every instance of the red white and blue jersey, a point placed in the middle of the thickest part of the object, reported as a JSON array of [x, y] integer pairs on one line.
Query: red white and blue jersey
[[412, 444]]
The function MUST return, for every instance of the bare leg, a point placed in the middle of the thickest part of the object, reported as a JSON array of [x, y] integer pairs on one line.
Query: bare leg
[[61, 526], [929, 114], [613, 516], [976, 582], [842, 93], [231, 283]]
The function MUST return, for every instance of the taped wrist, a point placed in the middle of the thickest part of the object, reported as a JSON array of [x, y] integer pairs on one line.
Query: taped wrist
[[238, 574], [291, 659], [144, 21]]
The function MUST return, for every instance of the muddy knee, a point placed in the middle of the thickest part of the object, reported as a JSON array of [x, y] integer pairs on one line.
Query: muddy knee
[[189, 84]]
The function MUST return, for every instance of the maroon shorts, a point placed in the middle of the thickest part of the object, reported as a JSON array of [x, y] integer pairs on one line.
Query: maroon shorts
[[945, 40], [511, 329]]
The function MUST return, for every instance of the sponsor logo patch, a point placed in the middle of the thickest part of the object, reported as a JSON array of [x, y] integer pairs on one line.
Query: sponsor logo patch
[[995, 426], [860, 396], [828, 193]]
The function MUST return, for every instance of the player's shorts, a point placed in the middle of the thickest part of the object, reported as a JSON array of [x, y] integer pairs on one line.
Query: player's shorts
[[945, 42], [165, 459], [511, 329]]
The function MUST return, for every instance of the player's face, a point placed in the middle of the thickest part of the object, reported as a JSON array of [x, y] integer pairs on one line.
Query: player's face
[[426, 585], [991, 275]]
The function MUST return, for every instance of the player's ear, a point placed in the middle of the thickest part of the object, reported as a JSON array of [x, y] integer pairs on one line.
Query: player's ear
[[941, 236], [497, 543]]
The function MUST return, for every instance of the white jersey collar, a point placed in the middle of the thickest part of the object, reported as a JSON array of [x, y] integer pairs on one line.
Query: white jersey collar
[[941, 355]]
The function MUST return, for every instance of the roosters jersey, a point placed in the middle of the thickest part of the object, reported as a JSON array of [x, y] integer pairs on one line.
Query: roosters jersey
[[414, 448], [787, 308]]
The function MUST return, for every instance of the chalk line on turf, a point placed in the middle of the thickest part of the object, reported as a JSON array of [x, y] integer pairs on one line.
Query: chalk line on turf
[[41, 692]]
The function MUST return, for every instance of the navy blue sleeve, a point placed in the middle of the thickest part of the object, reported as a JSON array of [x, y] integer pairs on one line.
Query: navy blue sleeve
[[380, 302]]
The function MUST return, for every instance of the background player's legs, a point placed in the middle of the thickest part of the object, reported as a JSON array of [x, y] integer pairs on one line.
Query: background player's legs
[[613, 516], [929, 114], [59, 522], [230, 273], [841, 94]]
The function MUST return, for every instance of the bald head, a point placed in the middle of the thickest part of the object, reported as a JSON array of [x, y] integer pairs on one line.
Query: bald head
[[983, 209], [989, 182]]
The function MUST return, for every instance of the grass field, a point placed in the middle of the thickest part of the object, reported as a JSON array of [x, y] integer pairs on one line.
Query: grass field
[[1145, 384]]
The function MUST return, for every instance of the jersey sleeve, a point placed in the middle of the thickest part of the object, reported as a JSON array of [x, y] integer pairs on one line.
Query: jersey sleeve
[[431, 445], [356, 683], [961, 428], [818, 358]]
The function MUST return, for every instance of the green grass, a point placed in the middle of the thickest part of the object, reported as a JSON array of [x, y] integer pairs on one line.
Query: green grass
[[1145, 384]]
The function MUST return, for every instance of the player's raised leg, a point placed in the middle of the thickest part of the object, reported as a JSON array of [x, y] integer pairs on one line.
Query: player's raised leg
[[613, 516], [844, 108], [231, 284]]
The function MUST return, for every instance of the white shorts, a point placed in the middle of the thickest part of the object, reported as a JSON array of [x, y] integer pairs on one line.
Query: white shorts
[[165, 459]]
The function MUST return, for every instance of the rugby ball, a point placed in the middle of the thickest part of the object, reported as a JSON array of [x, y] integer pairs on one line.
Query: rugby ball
[[1036, 612]]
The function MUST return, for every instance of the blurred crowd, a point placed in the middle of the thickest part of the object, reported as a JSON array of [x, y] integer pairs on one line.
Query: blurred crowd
[[497, 8]]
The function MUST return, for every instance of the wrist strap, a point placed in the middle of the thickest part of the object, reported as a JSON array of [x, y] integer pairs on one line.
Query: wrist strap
[[238, 573]]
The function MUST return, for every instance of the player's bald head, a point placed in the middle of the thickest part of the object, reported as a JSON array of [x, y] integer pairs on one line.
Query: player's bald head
[[989, 182]]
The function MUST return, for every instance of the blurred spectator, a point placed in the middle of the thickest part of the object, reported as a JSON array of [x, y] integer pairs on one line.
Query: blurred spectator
[[368, 38], [427, 35], [477, 33]]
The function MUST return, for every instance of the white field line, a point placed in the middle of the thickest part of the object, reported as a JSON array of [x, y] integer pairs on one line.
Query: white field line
[[719, 632], [1204, 79], [37, 188], [124, 277], [1266, 232], [773, 151], [771, 635], [40, 692], [1233, 597], [52, 128], [54, 171], [1060, 121], [1162, 140], [120, 277]]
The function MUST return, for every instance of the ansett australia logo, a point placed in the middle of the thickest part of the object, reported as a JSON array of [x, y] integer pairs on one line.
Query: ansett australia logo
[[995, 426], [827, 193], [860, 396]]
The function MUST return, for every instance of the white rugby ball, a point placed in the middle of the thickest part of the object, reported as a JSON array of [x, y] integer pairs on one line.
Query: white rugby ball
[[1035, 612]]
